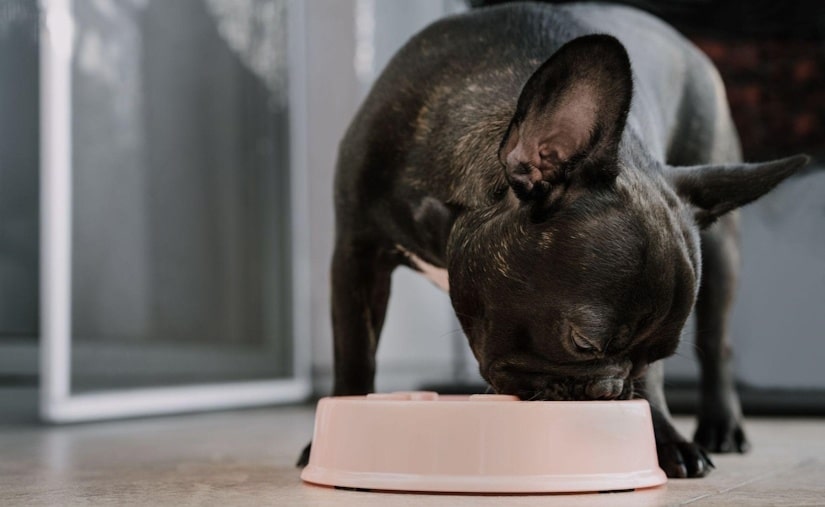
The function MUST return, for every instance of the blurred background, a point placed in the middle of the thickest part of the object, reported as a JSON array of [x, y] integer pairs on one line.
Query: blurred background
[[166, 203]]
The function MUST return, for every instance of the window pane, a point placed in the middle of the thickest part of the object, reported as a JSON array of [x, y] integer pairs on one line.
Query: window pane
[[180, 237], [19, 164]]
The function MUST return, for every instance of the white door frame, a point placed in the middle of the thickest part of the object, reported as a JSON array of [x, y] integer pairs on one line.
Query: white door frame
[[57, 403]]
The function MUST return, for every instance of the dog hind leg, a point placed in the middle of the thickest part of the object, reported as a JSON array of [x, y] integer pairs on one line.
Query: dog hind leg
[[720, 414]]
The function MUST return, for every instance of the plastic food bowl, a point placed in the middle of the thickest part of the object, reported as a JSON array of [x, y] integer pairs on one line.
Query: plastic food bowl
[[420, 441]]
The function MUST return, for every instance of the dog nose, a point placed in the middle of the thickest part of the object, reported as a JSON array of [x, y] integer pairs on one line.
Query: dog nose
[[605, 389]]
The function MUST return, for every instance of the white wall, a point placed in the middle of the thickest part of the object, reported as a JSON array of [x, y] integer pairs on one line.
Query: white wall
[[331, 102], [778, 321]]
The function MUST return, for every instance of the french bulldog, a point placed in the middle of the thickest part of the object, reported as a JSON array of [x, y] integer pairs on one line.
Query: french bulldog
[[571, 173]]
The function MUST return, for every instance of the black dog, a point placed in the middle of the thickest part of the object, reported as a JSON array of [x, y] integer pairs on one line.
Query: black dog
[[567, 180]]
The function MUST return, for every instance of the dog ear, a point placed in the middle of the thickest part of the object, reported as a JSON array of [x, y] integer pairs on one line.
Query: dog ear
[[714, 190], [569, 119]]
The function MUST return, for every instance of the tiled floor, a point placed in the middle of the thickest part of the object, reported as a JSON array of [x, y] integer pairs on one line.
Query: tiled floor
[[245, 458]]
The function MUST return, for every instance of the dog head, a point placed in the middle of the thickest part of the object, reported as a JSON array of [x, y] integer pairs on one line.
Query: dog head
[[587, 269]]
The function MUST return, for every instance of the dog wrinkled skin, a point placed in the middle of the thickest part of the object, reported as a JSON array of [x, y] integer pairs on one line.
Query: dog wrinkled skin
[[573, 169]]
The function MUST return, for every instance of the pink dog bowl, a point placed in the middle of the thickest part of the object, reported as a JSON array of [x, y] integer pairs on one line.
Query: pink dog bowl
[[420, 441]]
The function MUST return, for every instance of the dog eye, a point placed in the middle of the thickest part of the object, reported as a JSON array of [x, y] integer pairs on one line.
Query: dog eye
[[581, 342]]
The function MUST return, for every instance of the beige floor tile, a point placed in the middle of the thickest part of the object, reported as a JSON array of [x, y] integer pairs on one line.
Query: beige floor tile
[[245, 458]]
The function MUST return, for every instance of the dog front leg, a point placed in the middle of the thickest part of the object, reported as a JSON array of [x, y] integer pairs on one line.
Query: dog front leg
[[361, 275], [677, 457]]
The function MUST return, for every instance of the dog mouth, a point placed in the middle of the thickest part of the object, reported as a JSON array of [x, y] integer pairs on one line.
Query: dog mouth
[[544, 386], [596, 389]]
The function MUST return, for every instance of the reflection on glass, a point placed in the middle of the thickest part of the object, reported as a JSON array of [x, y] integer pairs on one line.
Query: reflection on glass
[[18, 171], [180, 150]]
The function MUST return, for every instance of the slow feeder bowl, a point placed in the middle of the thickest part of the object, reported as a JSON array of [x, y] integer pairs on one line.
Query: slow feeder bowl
[[420, 441]]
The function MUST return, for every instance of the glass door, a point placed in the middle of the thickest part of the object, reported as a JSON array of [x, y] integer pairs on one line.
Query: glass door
[[172, 242], [18, 210]]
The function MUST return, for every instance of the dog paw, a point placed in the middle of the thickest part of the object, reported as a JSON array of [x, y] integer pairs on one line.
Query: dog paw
[[682, 460], [303, 459], [721, 435]]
